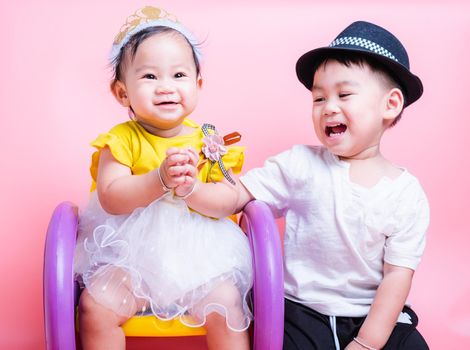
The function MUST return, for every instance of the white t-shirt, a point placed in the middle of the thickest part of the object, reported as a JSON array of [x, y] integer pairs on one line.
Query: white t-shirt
[[338, 234]]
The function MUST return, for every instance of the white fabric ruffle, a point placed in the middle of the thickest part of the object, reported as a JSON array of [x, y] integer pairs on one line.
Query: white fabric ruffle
[[165, 259]]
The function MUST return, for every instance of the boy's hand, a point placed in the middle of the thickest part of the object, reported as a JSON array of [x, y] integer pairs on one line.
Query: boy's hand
[[356, 346], [353, 346]]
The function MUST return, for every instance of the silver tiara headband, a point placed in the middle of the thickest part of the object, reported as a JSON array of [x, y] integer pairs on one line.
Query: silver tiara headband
[[364, 43], [149, 17]]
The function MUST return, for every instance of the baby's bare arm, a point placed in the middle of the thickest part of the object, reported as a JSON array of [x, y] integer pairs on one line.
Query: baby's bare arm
[[120, 192]]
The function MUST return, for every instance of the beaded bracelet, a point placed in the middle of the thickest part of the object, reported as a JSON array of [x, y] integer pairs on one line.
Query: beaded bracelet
[[365, 346], [166, 189]]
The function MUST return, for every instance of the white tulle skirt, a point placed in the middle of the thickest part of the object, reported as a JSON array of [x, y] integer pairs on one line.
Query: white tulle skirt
[[167, 260]]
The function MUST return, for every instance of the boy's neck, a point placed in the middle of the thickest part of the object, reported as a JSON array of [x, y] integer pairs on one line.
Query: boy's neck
[[368, 171], [371, 153]]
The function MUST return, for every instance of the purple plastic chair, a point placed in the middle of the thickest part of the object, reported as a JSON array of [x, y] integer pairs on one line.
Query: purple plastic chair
[[61, 291]]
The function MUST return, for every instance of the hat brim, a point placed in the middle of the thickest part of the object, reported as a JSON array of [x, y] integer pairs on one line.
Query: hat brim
[[410, 83]]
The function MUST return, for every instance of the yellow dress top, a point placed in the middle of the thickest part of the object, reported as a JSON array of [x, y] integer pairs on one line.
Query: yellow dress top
[[134, 147]]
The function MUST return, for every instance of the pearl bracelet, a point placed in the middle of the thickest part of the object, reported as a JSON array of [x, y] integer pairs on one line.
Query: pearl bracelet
[[165, 189], [365, 346]]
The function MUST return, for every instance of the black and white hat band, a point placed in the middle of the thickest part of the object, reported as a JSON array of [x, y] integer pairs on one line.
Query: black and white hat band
[[364, 43]]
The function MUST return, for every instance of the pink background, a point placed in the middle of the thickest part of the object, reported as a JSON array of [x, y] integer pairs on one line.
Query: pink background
[[55, 99]]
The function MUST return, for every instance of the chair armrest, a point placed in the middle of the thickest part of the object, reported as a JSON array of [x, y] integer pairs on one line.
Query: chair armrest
[[58, 282], [268, 287]]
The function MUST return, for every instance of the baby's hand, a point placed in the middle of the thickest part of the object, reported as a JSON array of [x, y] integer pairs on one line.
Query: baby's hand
[[174, 168], [193, 156], [190, 180]]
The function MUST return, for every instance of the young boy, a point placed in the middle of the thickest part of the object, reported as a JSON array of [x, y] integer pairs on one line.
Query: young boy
[[355, 222]]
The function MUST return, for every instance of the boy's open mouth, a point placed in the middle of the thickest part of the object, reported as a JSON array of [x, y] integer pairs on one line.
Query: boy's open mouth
[[335, 129]]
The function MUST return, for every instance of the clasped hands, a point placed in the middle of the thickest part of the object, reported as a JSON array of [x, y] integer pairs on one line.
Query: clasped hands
[[179, 170]]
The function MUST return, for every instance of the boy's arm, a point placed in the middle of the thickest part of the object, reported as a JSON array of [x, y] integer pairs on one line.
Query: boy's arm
[[388, 303], [219, 199]]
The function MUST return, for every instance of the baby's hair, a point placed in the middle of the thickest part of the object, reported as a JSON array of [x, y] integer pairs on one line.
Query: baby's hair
[[133, 44], [361, 60]]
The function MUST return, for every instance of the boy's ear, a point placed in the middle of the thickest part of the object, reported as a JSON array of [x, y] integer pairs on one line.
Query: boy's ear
[[120, 93], [394, 104]]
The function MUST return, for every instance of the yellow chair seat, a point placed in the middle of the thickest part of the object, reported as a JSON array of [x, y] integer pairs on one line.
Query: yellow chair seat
[[151, 326]]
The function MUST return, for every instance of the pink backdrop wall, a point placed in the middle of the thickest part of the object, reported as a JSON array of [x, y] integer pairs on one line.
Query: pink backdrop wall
[[55, 99]]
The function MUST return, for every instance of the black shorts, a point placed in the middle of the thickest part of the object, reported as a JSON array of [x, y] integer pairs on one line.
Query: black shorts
[[306, 329]]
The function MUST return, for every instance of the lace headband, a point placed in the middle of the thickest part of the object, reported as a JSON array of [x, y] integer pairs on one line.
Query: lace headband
[[149, 17]]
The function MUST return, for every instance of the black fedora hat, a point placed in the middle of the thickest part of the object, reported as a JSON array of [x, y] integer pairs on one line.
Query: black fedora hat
[[372, 41]]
